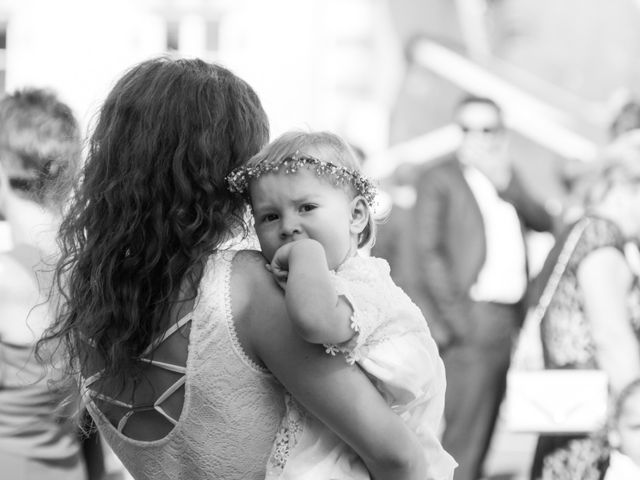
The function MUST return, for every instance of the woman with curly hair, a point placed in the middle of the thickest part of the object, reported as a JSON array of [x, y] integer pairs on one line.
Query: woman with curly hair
[[180, 344]]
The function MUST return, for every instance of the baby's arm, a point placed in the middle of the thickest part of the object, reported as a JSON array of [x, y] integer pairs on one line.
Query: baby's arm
[[317, 312]]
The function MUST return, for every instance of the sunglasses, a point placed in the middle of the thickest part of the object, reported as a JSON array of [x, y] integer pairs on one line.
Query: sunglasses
[[490, 130]]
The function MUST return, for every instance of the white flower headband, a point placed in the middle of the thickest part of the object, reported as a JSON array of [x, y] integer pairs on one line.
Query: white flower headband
[[238, 180]]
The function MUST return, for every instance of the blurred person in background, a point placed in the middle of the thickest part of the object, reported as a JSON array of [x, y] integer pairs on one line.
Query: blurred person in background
[[593, 319], [39, 153], [396, 239], [179, 343], [470, 214], [576, 174], [393, 211], [612, 454]]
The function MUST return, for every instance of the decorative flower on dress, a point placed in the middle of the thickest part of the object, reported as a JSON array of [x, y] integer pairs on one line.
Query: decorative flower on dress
[[287, 437], [238, 180]]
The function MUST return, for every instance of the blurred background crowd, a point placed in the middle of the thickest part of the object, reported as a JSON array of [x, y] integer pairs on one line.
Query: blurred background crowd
[[535, 92]]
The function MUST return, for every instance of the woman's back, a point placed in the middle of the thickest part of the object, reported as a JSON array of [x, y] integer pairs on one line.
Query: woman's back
[[231, 407]]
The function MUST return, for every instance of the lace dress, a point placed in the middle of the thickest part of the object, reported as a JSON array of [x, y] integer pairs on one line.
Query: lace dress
[[567, 338], [232, 407], [392, 343]]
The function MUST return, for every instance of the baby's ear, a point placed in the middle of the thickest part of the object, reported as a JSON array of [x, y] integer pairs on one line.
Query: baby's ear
[[359, 215]]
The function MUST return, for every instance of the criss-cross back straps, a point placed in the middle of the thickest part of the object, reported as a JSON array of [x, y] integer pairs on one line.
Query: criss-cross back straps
[[168, 332], [88, 392]]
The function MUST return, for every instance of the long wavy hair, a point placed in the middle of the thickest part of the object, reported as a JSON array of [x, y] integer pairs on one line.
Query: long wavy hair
[[150, 207]]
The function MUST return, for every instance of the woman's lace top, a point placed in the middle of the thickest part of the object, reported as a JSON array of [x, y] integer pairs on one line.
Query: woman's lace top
[[231, 408], [566, 333], [392, 343]]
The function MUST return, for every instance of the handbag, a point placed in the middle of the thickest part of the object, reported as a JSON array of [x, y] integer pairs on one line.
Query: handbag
[[552, 401]]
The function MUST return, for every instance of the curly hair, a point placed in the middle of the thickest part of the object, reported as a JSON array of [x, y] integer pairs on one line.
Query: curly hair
[[151, 206], [40, 145]]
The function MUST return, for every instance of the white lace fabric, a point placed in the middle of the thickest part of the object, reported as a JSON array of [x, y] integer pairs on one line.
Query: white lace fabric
[[231, 408], [392, 343]]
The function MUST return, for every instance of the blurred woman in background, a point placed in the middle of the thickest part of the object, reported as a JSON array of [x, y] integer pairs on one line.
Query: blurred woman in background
[[39, 152], [593, 319]]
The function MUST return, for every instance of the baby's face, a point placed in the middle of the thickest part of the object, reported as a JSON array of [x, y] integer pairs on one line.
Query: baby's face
[[294, 206], [629, 427]]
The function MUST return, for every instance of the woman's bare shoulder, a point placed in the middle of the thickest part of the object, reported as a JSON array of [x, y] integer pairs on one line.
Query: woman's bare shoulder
[[605, 263], [257, 303], [249, 259], [251, 282], [256, 296], [605, 275], [248, 271]]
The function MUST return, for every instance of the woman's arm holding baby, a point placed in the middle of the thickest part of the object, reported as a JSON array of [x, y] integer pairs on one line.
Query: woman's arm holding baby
[[338, 394]]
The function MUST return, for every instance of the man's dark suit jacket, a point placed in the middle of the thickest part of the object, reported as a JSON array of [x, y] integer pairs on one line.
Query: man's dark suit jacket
[[451, 250]]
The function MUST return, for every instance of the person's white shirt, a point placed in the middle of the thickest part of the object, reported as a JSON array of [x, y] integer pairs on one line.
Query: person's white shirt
[[503, 276]]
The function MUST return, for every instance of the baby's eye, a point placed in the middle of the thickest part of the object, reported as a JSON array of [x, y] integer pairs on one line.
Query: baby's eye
[[307, 207], [269, 217]]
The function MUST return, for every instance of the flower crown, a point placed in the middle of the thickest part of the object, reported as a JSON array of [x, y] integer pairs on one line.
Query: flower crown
[[238, 180]]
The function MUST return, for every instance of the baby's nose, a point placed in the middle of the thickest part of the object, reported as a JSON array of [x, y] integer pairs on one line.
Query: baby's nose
[[290, 227]]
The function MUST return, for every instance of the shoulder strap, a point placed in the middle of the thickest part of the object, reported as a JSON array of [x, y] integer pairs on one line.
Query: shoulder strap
[[559, 268]]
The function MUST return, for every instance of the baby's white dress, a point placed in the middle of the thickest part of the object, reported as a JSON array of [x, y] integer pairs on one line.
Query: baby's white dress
[[393, 344]]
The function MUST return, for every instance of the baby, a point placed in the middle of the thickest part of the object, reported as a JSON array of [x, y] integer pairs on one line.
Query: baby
[[311, 209]]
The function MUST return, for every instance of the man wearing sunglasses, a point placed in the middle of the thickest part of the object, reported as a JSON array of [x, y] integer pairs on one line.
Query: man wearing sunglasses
[[471, 213]]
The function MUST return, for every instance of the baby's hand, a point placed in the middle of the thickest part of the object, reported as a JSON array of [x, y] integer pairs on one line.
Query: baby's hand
[[279, 266]]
